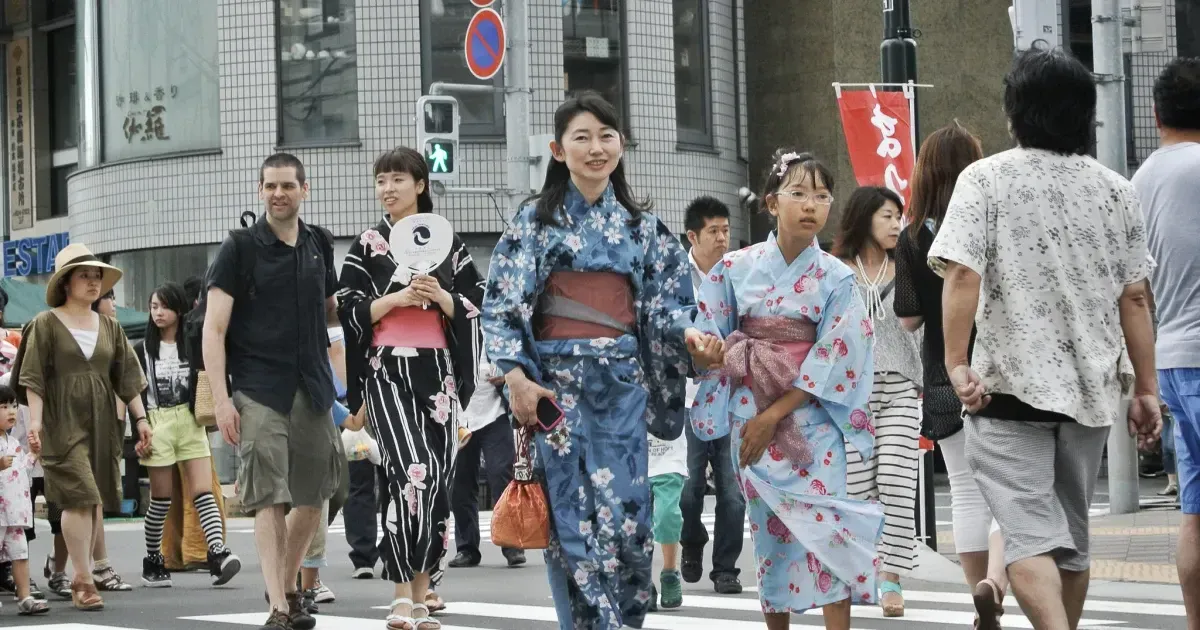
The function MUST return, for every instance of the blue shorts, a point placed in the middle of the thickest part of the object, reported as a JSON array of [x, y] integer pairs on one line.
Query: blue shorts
[[1180, 388]]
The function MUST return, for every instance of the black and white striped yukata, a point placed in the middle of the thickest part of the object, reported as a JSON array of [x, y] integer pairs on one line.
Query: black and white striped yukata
[[413, 396], [891, 475]]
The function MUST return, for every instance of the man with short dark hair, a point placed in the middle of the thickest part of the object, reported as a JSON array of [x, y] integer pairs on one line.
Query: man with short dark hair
[[279, 407], [1044, 250], [707, 224], [1168, 184]]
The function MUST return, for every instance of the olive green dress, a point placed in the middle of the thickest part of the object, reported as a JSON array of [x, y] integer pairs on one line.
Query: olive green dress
[[82, 437]]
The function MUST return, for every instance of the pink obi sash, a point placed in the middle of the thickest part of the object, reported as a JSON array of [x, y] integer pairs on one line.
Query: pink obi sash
[[411, 327], [765, 354], [585, 305]]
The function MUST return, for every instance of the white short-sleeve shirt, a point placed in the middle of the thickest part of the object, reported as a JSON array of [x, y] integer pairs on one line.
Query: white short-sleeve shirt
[[1055, 239]]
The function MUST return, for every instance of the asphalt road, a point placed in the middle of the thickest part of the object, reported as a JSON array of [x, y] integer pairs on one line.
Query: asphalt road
[[495, 597]]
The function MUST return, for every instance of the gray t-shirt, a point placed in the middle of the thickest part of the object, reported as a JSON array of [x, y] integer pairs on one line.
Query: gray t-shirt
[[1168, 185]]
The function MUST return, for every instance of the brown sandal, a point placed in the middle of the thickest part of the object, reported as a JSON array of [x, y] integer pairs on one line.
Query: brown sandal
[[85, 596], [989, 605]]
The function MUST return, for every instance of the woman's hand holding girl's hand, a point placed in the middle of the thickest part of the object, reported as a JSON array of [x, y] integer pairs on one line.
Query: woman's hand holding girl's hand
[[145, 435], [524, 394], [707, 351], [35, 439]]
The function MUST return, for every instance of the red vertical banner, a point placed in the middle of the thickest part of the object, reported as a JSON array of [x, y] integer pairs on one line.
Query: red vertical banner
[[878, 128]]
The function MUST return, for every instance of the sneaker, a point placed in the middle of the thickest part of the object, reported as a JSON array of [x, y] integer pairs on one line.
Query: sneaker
[[8, 586], [322, 594], [672, 589], [364, 573], [223, 566], [60, 585], [154, 573], [36, 592], [298, 616], [727, 584], [278, 620], [692, 566]]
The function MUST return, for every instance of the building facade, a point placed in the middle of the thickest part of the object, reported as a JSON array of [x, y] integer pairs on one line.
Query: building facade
[[177, 103]]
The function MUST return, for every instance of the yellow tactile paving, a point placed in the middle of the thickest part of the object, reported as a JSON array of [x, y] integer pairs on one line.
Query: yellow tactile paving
[[1134, 572], [1135, 531]]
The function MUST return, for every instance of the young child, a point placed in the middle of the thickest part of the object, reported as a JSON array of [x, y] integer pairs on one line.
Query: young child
[[16, 510], [668, 474]]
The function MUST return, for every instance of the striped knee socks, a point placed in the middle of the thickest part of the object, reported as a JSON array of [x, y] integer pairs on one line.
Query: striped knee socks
[[156, 515], [210, 521]]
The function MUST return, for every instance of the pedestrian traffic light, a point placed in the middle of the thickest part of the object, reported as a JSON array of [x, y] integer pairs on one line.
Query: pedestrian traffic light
[[437, 135]]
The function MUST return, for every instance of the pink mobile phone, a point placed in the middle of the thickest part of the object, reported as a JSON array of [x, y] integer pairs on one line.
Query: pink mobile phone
[[549, 414]]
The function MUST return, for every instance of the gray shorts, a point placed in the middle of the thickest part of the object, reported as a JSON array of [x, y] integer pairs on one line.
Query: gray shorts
[[287, 460], [1038, 479]]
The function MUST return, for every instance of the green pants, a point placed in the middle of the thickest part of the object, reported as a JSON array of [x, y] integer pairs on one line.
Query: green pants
[[668, 517]]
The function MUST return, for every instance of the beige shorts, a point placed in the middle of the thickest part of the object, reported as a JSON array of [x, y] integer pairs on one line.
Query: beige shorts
[[286, 460]]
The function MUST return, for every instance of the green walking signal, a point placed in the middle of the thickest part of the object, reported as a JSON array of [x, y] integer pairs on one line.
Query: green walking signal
[[437, 135]]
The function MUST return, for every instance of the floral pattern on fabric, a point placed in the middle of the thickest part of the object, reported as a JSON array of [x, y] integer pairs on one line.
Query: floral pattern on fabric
[[612, 392], [813, 545], [16, 507]]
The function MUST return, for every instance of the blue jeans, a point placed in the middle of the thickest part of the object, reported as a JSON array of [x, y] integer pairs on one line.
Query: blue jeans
[[1181, 391], [729, 529]]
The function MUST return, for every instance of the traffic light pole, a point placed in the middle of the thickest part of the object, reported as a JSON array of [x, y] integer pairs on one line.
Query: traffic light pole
[[518, 95], [898, 65]]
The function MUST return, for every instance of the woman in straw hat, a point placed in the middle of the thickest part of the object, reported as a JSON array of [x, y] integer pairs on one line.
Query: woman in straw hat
[[70, 370]]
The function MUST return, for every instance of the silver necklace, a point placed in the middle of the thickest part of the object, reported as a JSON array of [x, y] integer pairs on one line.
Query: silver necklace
[[872, 289]]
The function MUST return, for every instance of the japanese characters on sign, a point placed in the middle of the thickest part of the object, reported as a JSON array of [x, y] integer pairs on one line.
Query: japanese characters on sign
[[145, 118], [20, 146], [159, 78], [878, 128]]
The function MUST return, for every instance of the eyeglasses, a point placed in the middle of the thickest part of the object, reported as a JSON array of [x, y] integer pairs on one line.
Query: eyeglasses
[[821, 199]]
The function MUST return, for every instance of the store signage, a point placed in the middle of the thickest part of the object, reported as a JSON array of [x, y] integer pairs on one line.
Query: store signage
[[20, 143], [33, 256]]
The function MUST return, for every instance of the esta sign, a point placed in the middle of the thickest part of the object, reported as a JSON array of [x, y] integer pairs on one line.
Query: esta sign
[[33, 256]]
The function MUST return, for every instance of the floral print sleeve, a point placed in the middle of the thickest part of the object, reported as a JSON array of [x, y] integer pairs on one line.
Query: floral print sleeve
[[838, 371], [667, 310], [510, 295], [963, 236], [716, 315]]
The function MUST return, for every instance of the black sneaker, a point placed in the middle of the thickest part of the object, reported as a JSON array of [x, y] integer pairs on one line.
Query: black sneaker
[[727, 584], [154, 572], [466, 559], [298, 617], [7, 584], [691, 567], [35, 592], [278, 620], [223, 565], [308, 600]]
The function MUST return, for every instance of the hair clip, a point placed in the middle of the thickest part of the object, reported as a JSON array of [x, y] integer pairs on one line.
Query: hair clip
[[785, 161]]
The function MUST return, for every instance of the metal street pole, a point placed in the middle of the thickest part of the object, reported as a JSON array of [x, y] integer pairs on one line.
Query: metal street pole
[[898, 64], [517, 101], [1108, 64]]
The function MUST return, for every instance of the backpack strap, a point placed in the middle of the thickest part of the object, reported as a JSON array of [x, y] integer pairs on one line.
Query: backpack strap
[[247, 257]]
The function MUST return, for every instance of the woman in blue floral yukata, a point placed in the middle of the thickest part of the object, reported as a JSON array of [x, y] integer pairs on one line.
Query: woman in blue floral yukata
[[793, 383], [589, 303]]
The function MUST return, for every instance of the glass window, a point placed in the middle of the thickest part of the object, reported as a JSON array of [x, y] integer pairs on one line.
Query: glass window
[[693, 117], [443, 33], [64, 90], [58, 189], [318, 72], [593, 50], [159, 77]]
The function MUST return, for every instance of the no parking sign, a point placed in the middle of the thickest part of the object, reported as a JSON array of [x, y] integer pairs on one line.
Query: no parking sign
[[485, 43]]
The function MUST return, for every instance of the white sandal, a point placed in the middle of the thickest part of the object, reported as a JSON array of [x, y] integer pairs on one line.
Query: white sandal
[[421, 623], [408, 622]]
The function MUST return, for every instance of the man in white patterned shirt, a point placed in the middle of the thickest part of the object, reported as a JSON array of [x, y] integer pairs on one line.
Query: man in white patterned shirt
[[1045, 252]]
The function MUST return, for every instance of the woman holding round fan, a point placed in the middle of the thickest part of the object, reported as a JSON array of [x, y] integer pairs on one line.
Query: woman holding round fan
[[412, 344]]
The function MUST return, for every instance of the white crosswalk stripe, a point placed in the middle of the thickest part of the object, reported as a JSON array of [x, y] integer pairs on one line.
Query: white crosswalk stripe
[[925, 609]]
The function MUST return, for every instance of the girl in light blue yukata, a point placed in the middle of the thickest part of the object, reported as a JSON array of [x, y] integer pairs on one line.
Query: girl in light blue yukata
[[793, 383], [588, 303]]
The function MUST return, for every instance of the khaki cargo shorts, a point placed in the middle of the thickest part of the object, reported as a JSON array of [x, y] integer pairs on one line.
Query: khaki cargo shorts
[[290, 460]]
